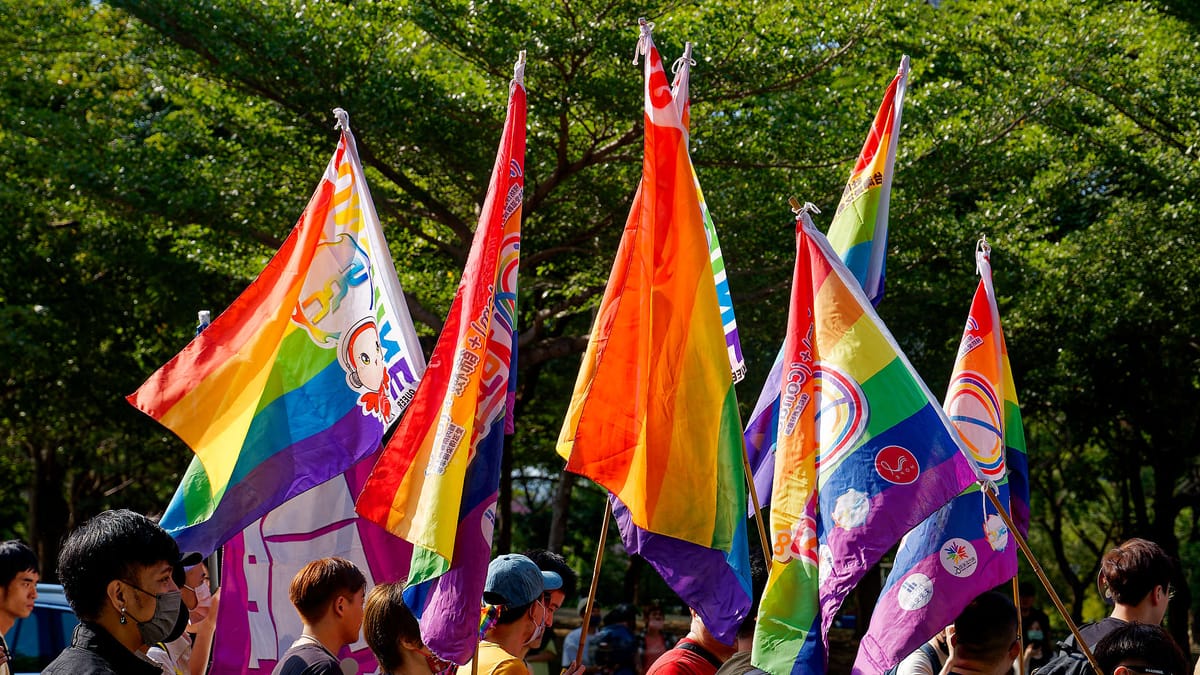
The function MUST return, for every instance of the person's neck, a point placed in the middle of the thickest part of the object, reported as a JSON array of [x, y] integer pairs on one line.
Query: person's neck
[[706, 640], [411, 661], [1140, 613], [6, 621], [511, 637], [327, 634], [126, 633]]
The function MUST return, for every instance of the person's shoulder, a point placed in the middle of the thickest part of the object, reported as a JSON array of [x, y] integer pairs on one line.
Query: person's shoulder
[[306, 659], [73, 661]]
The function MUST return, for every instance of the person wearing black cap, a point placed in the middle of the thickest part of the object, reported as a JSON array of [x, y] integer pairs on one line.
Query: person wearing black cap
[[116, 571], [514, 591]]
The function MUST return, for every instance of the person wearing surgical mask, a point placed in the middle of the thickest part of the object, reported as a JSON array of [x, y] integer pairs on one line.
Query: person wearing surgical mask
[[116, 571], [515, 593], [188, 653]]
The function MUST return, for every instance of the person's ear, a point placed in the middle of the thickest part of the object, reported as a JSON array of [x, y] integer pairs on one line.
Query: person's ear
[[1015, 649], [339, 605], [411, 645]]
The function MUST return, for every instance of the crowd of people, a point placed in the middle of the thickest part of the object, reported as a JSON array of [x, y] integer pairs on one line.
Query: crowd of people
[[146, 608]]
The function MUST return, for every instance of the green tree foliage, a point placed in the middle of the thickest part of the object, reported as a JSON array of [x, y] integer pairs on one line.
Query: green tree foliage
[[155, 152]]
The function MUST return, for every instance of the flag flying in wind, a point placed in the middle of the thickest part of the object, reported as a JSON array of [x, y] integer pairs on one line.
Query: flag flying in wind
[[865, 453], [859, 229], [713, 580], [859, 235], [964, 549], [436, 483], [298, 379]]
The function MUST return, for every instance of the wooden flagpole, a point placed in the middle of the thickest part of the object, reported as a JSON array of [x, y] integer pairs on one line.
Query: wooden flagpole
[[1020, 629], [989, 490], [591, 598], [762, 528]]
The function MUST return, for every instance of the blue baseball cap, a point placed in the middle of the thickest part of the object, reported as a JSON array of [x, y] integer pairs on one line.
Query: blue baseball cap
[[514, 580]]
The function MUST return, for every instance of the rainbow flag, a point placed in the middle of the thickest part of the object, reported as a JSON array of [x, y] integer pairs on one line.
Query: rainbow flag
[[680, 92], [654, 417], [713, 581], [300, 376], [859, 229], [864, 454], [964, 549], [859, 235], [436, 484]]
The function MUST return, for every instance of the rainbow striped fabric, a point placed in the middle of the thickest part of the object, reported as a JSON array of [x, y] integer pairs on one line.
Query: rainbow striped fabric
[[298, 379], [654, 417], [859, 235], [864, 454], [860, 226], [436, 484], [964, 549], [713, 581]]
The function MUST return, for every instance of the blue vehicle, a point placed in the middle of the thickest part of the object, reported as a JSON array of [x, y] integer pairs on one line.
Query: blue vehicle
[[37, 639]]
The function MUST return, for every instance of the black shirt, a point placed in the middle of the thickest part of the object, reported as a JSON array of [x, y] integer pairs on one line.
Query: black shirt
[[307, 658], [94, 651]]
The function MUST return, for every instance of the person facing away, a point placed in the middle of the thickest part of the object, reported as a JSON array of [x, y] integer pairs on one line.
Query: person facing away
[[1136, 577], [983, 640], [116, 571], [394, 636], [18, 589], [329, 595], [1137, 648], [514, 591], [613, 650], [698, 653]]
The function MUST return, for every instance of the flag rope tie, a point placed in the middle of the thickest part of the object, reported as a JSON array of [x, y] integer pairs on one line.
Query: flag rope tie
[[519, 69], [685, 60], [343, 119], [643, 39]]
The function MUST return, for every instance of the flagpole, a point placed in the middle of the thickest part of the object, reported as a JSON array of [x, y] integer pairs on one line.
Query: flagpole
[[989, 489], [1020, 628], [762, 528], [591, 598]]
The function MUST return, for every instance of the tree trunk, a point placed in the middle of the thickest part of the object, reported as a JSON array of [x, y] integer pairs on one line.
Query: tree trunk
[[503, 541], [562, 506], [633, 580], [49, 513]]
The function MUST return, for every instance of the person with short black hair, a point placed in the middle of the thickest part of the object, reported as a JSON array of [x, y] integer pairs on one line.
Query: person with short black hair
[[116, 571], [984, 639], [329, 595], [394, 636], [18, 589], [549, 561], [1137, 648]]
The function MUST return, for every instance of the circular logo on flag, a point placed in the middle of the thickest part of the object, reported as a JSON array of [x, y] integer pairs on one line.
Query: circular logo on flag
[[975, 411], [897, 465], [915, 592], [841, 414], [851, 509], [996, 531], [958, 557]]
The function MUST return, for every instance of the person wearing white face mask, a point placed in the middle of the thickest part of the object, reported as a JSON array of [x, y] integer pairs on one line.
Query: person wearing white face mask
[[514, 591], [188, 653]]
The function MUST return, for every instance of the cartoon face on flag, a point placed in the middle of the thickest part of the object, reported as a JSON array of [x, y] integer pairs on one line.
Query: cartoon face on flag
[[299, 378]]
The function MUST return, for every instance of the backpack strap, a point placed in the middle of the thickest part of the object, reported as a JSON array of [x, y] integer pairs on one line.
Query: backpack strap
[[697, 649], [931, 653]]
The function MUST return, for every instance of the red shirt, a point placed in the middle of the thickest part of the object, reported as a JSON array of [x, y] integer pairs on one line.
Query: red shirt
[[683, 661]]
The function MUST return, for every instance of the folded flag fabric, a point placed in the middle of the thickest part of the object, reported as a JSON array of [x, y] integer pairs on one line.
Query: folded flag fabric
[[436, 484], [299, 378], [864, 454], [654, 417], [964, 549], [712, 581], [858, 234]]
